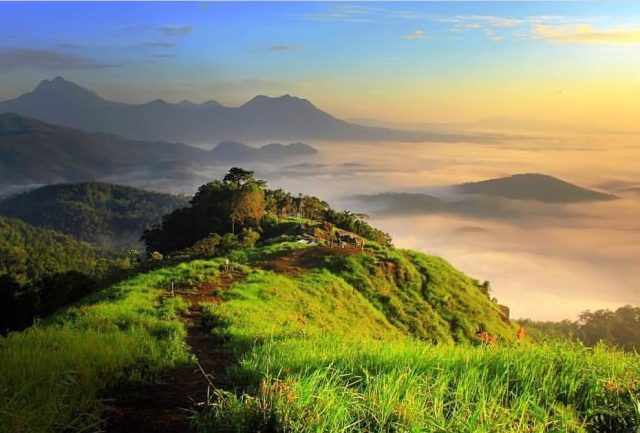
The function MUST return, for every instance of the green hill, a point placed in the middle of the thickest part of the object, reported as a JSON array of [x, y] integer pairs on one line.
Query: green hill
[[314, 327], [28, 253], [101, 213]]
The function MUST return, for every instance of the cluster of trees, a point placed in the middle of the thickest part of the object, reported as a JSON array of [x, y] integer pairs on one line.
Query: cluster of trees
[[284, 204], [232, 205], [619, 328], [103, 214], [239, 203]]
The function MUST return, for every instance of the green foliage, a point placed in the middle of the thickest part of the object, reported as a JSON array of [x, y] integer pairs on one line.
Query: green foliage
[[619, 328], [104, 214], [333, 349], [337, 384], [28, 253], [422, 295], [51, 375], [217, 208]]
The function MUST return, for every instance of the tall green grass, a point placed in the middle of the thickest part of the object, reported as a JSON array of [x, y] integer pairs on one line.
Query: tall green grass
[[51, 375], [337, 384], [317, 356]]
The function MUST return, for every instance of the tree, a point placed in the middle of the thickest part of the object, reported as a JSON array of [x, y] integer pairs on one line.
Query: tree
[[218, 207], [239, 176], [247, 206]]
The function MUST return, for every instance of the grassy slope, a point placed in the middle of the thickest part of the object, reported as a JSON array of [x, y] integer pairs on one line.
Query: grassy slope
[[321, 350], [50, 375], [309, 363]]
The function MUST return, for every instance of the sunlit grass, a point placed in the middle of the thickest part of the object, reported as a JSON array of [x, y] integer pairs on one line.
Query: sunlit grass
[[50, 375]]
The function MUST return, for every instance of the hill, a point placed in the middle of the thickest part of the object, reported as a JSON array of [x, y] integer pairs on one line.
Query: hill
[[104, 214], [33, 152], [533, 186], [28, 253], [262, 118], [233, 151], [278, 313]]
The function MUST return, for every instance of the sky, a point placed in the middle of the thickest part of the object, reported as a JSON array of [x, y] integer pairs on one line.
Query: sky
[[569, 62]]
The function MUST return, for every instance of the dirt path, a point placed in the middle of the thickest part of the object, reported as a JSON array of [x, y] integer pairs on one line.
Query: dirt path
[[166, 405], [299, 261]]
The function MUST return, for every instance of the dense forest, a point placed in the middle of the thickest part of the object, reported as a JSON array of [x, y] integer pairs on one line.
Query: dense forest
[[104, 214], [42, 270]]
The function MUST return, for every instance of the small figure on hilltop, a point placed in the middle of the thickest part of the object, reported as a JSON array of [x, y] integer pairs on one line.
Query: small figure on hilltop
[[520, 334]]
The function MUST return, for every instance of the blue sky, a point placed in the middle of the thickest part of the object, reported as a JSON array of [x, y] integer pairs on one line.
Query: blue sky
[[356, 59]]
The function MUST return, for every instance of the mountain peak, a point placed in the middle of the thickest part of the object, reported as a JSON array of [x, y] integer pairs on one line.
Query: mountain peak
[[61, 88], [288, 100], [534, 186]]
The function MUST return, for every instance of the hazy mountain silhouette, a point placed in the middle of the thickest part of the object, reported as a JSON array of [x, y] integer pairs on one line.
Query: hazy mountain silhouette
[[236, 151], [403, 203], [494, 198], [534, 186], [33, 152], [262, 118]]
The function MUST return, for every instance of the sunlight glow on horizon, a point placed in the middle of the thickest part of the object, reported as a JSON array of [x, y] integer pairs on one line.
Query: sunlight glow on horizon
[[574, 63]]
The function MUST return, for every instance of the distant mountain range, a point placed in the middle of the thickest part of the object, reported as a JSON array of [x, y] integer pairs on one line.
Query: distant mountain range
[[492, 198], [262, 118], [33, 152], [103, 214]]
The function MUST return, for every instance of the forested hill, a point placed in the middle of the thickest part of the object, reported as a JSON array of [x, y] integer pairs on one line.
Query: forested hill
[[104, 214], [28, 253]]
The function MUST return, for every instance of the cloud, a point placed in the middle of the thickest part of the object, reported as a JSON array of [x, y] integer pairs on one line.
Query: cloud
[[175, 30], [284, 47], [586, 34], [493, 36], [418, 34], [45, 59], [153, 45], [343, 13]]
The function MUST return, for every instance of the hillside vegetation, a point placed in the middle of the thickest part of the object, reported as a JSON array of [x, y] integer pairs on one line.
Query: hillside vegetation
[[325, 325], [104, 214], [28, 253]]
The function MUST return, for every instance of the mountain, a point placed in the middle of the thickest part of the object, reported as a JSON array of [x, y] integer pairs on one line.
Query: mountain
[[35, 152], [402, 203], [240, 152], [262, 118], [534, 186], [104, 214]]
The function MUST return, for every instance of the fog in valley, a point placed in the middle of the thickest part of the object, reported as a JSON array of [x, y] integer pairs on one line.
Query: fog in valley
[[544, 260]]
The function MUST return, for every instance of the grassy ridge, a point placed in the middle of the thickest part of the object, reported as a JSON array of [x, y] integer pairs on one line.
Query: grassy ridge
[[50, 375], [318, 353]]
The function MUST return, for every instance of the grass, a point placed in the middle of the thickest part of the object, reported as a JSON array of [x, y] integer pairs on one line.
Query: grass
[[51, 375], [342, 346], [319, 352], [335, 384]]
